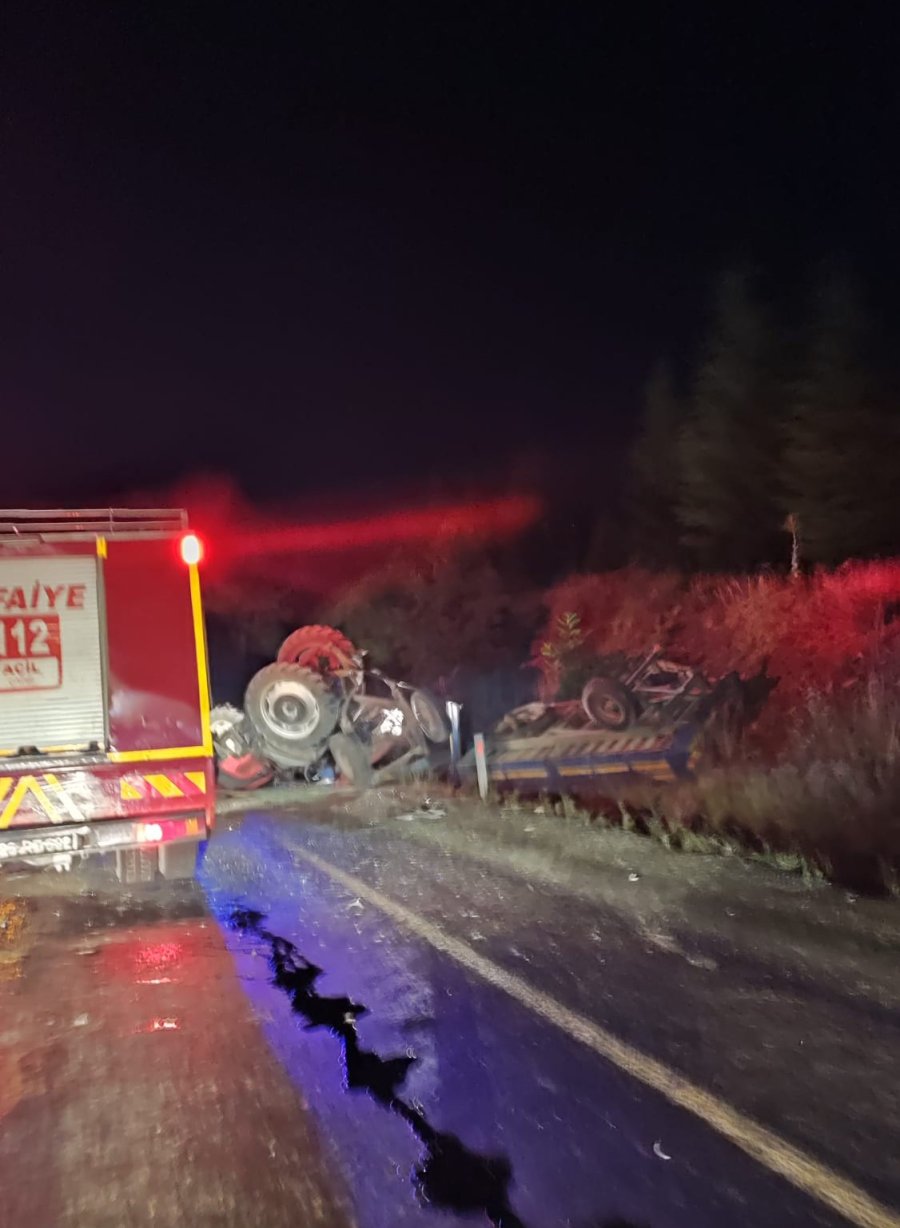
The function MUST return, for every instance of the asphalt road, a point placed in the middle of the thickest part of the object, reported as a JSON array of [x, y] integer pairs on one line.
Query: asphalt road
[[363, 1014]]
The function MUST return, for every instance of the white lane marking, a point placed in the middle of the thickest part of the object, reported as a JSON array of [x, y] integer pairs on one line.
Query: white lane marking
[[817, 1180]]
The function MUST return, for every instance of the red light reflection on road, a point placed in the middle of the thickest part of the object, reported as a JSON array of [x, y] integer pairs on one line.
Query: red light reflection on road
[[162, 1023], [146, 963], [157, 955]]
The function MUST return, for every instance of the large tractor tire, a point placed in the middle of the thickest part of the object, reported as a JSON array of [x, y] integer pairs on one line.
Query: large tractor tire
[[351, 759], [323, 649], [608, 703], [292, 712], [429, 717]]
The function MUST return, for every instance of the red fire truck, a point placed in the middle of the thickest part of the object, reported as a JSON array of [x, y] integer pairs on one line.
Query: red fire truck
[[105, 744]]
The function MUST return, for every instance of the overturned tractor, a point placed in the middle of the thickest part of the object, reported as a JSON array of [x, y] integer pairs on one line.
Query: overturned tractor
[[318, 710], [646, 696]]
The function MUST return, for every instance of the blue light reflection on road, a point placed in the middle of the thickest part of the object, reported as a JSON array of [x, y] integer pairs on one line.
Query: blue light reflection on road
[[578, 1135]]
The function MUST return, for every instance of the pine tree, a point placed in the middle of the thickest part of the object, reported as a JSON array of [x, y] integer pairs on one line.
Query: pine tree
[[654, 473], [727, 505], [837, 479]]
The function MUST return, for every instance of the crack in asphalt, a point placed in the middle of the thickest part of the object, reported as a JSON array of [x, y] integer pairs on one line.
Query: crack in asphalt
[[450, 1176]]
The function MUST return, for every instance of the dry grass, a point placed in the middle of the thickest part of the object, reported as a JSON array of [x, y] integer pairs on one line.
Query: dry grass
[[830, 805]]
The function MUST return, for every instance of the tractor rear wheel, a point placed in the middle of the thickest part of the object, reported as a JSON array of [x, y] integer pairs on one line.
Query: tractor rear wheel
[[292, 711]]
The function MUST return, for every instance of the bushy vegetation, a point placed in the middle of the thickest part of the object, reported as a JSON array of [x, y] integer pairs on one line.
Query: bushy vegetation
[[820, 639], [451, 621], [818, 771]]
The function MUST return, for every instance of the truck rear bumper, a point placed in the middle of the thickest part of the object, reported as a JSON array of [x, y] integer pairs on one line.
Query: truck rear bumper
[[47, 844], [82, 792]]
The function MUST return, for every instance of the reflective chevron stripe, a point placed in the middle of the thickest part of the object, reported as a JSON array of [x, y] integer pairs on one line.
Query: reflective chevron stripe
[[140, 786]]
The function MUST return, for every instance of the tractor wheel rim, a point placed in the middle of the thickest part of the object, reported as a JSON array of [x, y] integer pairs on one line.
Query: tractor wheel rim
[[290, 710]]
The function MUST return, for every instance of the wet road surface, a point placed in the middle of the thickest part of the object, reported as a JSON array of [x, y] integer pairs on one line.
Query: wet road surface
[[134, 1089], [302, 1038]]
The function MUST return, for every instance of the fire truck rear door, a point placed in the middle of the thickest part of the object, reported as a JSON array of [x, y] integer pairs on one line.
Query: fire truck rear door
[[52, 692]]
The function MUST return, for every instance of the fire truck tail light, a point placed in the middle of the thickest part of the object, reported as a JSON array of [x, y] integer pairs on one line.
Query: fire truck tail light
[[191, 549], [149, 833]]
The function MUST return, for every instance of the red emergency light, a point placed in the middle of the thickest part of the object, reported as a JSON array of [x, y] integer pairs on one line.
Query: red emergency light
[[191, 549]]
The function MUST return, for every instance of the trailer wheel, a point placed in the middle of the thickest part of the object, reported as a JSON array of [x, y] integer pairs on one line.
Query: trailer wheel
[[608, 703], [291, 710], [351, 758], [429, 718]]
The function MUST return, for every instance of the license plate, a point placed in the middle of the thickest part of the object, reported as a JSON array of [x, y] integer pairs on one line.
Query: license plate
[[37, 844]]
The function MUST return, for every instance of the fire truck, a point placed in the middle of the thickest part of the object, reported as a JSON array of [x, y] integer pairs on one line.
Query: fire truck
[[105, 743]]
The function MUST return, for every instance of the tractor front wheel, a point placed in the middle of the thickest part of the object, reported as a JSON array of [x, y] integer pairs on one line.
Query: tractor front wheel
[[608, 703]]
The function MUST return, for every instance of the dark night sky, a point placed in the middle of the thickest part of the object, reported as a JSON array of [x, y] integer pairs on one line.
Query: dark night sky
[[302, 242]]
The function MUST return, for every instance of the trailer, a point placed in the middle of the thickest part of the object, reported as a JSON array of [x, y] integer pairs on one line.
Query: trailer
[[585, 760], [105, 743]]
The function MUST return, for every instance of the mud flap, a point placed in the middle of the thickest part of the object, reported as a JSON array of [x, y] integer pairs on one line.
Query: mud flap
[[136, 865], [179, 860]]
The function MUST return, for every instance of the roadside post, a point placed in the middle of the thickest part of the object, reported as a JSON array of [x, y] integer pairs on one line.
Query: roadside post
[[453, 712], [481, 767]]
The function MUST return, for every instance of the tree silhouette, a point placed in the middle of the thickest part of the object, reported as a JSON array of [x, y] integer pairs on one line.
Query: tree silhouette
[[836, 473], [727, 504], [655, 473]]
